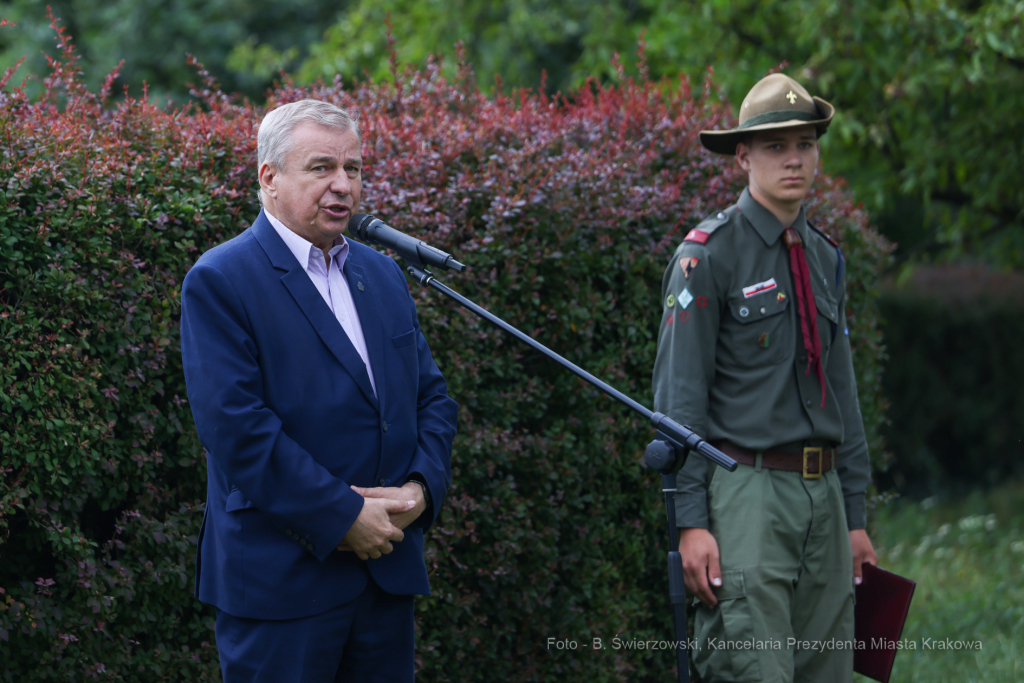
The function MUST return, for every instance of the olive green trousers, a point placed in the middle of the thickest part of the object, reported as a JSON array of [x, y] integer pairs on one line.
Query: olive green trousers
[[785, 607]]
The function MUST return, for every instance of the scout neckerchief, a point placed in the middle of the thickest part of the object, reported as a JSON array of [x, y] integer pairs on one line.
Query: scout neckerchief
[[805, 304]]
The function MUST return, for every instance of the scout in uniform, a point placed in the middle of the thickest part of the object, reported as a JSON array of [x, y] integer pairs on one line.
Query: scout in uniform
[[754, 354]]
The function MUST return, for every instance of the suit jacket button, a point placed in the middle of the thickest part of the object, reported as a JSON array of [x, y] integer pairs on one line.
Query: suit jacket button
[[385, 427]]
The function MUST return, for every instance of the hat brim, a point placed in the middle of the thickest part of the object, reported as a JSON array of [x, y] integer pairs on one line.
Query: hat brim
[[725, 141]]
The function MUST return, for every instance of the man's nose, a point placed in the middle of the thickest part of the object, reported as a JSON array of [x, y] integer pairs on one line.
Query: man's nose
[[341, 184]]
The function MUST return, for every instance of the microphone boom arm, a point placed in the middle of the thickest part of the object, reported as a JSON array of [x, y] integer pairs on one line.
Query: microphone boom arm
[[682, 437]]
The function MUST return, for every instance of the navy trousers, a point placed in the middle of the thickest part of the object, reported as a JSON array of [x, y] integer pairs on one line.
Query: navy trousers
[[367, 640]]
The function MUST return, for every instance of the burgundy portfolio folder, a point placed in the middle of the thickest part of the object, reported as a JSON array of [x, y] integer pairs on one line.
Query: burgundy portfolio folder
[[883, 599]]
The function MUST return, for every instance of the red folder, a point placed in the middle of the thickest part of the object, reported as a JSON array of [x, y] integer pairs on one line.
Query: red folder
[[883, 600]]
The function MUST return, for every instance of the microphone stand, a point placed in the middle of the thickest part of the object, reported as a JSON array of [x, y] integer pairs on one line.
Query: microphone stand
[[666, 454]]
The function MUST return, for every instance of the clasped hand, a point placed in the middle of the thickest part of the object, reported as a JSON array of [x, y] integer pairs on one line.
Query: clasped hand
[[387, 510]]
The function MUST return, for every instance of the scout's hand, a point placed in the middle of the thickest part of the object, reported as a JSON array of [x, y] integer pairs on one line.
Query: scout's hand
[[411, 491], [371, 534], [700, 563], [863, 551]]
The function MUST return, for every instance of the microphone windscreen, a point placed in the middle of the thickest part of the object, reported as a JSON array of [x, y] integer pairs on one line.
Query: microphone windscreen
[[357, 225]]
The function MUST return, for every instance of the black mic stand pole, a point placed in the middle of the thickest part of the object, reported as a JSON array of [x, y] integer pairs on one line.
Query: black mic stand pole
[[666, 454]]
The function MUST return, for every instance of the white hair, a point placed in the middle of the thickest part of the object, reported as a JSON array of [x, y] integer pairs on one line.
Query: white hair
[[275, 133]]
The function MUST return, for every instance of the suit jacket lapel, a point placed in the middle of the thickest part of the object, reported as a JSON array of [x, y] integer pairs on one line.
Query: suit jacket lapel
[[368, 305], [305, 294]]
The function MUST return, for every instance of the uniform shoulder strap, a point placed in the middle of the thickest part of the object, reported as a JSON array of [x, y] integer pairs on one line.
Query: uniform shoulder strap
[[823, 234], [839, 252], [703, 232]]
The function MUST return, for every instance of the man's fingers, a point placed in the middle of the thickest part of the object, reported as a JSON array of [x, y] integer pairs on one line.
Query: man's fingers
[[360, 490], [696, 580], [396, 506], [714, 570]]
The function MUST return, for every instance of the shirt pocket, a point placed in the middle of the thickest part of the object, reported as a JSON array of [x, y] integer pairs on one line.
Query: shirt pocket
[[757, 331]]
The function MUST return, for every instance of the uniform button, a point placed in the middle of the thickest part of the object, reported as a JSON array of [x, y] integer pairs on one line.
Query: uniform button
[[721, 215], [763, 310], [808, 401], [383, 481], [385, 427]]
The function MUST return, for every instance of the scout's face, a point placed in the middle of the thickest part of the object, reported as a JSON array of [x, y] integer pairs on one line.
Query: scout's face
[[318, 189], [780, 164]]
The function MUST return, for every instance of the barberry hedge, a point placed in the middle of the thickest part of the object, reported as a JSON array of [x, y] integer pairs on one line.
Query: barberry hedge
[[567, 211]]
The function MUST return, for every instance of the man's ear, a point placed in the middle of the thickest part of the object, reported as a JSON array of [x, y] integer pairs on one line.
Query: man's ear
[[743, 156], [268, 179]]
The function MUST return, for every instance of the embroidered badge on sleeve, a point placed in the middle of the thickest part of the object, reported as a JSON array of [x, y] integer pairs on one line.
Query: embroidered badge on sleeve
[[688, 264], [684, 298]]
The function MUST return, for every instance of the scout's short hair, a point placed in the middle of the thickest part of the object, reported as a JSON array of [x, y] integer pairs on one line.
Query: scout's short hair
[[274, 139]]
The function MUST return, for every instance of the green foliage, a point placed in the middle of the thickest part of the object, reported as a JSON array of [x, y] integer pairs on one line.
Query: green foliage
[[152, 38], [101, 213], [955, 392], [514, 40], [928, 91], [566, 212], [967, 557]]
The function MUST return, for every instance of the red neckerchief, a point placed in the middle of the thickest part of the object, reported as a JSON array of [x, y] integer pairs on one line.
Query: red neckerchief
[[805, 305]]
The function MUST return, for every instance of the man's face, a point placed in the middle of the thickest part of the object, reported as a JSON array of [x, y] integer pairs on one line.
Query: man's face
[[318, 189], [780, 164]]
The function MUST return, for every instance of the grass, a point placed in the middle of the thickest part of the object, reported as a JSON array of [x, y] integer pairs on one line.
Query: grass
[[967, 557]]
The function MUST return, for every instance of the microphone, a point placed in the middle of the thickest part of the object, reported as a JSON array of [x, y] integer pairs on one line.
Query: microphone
[[372, 229]]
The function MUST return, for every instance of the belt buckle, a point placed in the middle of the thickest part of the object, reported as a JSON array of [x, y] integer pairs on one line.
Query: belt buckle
[[812, 451]]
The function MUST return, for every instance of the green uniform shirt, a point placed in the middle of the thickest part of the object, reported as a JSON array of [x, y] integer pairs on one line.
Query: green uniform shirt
[[731, 362]]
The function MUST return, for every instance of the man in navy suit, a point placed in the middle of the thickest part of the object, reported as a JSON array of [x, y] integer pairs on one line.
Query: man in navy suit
[[327, 424]]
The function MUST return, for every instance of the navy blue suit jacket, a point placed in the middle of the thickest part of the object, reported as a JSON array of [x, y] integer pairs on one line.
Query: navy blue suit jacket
[[284, 406]]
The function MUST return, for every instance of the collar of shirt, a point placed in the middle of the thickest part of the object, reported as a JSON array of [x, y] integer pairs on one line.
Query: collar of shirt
[[303, 249], [764, 221]]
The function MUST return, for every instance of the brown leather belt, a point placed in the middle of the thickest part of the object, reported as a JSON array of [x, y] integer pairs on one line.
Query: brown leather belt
[[812, 461]]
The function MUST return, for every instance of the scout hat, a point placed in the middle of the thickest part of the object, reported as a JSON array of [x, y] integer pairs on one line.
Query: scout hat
[[776, 101]]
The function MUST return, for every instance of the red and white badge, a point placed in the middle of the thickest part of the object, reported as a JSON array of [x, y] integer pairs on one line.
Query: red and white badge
[[759, 288]]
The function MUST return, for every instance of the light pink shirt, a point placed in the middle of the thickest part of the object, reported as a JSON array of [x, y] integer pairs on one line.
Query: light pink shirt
[[330, 282]]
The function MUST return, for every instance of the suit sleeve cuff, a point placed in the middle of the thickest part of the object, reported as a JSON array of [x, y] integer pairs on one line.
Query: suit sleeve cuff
[[692, 510], [856, 513], [424, 519]]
